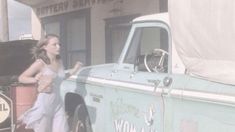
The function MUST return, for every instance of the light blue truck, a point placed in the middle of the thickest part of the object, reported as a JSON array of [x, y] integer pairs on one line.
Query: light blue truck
[[149, 89]]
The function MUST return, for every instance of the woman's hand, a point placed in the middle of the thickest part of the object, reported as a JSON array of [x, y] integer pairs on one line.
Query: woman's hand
[[38, 76], [77, 66], [74, 70]]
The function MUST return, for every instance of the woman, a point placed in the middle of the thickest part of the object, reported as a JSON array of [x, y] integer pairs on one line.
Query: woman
[[47, 114]]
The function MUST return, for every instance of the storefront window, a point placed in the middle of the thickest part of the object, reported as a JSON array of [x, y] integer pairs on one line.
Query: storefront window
[[74, 35], [116, 32], [118, 37], [52, 28], [76, 40]]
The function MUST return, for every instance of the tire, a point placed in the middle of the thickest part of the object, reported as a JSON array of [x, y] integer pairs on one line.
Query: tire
[[81, 121]]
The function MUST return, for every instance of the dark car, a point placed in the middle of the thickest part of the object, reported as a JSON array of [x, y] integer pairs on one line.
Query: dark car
[[15, 57]]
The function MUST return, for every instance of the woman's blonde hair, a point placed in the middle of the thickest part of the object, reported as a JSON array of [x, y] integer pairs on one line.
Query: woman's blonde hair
[[40, 53]]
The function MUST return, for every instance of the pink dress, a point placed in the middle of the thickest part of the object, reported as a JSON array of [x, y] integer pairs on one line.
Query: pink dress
[[47, 113]]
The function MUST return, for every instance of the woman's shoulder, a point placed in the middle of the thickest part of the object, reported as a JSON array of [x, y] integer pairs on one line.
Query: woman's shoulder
[[40, 62], [37, 65]]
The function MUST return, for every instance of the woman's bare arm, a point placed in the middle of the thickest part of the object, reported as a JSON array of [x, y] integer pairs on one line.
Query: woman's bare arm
[[28, 76], [75, 69]]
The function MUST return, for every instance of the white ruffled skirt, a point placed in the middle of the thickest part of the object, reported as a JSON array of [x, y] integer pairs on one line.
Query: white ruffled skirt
[[46, 115]]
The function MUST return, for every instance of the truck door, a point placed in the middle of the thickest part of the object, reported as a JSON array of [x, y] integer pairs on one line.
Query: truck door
[[135, 103]]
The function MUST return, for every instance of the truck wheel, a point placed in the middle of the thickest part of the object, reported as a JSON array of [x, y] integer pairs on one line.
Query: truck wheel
[[81, 122]]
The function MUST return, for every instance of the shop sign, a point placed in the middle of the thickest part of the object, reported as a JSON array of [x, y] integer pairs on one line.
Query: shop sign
[[67, 6], [4, 109]]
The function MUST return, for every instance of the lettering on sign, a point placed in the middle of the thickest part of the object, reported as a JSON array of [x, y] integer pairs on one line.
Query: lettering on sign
[[4, 110], [66, 6], [126, 126]]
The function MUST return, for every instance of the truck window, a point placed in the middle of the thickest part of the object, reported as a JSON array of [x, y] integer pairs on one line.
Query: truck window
[[147, 45]]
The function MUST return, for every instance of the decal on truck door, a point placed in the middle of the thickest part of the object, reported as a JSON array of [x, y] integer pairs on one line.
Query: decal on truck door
[[122, 125], [126, 126]]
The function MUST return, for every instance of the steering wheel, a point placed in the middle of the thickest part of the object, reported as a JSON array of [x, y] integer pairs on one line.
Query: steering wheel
[[154, 62]]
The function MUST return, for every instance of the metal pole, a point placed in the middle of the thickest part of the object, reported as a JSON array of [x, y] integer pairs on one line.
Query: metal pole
[[4, 29]]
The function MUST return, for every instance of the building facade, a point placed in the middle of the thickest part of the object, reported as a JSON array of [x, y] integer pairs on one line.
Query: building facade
[[92, 31]]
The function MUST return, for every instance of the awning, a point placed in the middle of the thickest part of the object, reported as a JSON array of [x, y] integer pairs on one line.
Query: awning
[[33, 3]]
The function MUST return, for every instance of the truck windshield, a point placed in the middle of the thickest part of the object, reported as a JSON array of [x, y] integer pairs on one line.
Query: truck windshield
[[144, 45]]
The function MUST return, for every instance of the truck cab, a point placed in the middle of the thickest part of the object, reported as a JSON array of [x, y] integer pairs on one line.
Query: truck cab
[[148, 89]]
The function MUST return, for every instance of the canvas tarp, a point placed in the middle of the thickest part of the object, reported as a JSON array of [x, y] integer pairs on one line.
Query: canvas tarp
[[204, 34]]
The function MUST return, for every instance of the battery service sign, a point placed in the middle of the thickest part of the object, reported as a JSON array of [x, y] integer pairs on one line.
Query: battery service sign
[[4, 109]]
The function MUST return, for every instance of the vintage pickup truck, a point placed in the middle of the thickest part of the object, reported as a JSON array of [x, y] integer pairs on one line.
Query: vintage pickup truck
[[153, 87]]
